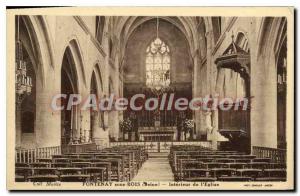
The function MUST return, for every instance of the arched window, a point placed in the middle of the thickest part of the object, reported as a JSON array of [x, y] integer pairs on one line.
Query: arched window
[[157, 64]]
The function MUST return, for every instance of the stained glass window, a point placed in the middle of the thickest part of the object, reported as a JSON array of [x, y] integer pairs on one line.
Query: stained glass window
[[157, 64]]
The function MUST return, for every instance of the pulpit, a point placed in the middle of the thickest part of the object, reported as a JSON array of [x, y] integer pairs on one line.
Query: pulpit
[[234, 123]]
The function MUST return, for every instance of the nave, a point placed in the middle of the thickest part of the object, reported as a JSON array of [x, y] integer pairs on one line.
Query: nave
[[134, 163], [186, 58]]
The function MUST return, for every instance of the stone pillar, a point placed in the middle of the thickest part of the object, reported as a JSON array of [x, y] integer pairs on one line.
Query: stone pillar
[[213, 135], [206, 83], [48, 122], [120, 113], [85, 126], [264, 103], [116, 81], [100, 136], [78, 117], [114, 124], [211, 118], [201, 132], [121, 135], [196, 93], [105, 78], [18, 126]]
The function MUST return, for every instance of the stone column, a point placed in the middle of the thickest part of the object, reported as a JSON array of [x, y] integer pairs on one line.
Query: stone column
[[18, 127], [100, 136], [48, 122], [212, 123], [106, 74], [213, 135], [206, 84], [115, 114], [120, 113], [114, 125], [264, 103], [85, 126], [212, 117], [196, 93]]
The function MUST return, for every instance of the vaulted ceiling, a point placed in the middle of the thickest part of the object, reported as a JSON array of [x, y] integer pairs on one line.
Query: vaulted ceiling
[[123, 26]]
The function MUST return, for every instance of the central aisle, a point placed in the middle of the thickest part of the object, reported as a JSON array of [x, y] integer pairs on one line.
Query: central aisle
[[156, 168]]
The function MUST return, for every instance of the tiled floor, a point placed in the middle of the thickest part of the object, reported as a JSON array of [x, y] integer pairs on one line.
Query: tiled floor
[[155, 169]]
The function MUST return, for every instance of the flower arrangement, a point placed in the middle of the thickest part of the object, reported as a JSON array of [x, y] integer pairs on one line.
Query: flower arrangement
[[188, 125], [126, 125]]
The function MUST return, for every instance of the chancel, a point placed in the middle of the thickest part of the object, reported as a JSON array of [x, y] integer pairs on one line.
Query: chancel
[[167, 65]]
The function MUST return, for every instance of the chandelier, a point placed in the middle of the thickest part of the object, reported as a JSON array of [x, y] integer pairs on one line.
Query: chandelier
[[23, 82]]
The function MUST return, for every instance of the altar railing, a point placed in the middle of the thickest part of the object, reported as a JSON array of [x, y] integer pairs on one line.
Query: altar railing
[[275, 154], [31, 155], [162, 146]]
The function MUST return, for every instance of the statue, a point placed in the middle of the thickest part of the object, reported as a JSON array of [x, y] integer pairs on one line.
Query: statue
[[208, 121]]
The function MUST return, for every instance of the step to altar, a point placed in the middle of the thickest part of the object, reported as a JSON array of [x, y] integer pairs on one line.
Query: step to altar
[[158, 154]]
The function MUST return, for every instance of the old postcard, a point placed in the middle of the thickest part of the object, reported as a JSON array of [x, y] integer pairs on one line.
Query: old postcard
[[150, 98]]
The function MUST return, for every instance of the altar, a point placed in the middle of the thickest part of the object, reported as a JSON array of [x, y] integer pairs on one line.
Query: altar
[[157, 134]]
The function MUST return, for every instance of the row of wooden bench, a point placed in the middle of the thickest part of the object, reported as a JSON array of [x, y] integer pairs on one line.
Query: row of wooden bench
[[119, 163], [195, 163]]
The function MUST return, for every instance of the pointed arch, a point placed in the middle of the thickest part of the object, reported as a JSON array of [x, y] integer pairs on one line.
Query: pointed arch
[[35, 53], [98, 77], [70, 84], [75, 55], [269, 35], [78, 58], [68, 66], [34, 42]]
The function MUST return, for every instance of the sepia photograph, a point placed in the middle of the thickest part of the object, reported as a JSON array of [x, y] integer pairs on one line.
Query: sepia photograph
[[142, 98]]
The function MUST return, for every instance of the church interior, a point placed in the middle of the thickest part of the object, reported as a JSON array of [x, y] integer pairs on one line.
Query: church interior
[[186, 57]]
